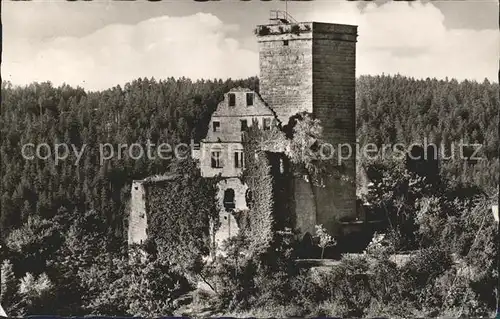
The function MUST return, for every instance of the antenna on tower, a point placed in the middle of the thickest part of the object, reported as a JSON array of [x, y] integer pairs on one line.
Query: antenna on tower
[[281, 17]]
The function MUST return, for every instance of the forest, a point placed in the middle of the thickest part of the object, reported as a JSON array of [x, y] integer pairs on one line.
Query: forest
[[63, 226]]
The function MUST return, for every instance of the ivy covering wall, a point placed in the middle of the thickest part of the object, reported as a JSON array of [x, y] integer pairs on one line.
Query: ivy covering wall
[[258, 226], [180, 211], [268, 176]]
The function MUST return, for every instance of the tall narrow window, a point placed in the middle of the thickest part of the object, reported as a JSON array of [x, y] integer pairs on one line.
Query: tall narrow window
[[232, 99], [216, 160], [216, 126], [244, 125], [266, 124], [239, 161], [249, 99]]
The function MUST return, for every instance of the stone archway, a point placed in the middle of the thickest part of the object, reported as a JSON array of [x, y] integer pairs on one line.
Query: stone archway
[[231, 201], [228, 201], [306, 247]]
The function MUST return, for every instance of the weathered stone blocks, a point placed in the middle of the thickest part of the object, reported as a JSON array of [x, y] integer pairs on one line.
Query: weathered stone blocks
[[314, 71], [137, 223]]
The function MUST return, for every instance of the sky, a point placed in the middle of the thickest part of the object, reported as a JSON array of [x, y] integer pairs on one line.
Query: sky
[[102, 43]]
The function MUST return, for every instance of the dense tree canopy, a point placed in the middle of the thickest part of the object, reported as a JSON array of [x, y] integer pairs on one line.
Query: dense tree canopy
[[397, 109], [63, 222]]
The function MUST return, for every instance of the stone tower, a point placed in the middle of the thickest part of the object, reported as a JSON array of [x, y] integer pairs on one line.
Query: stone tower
[[310, 67]]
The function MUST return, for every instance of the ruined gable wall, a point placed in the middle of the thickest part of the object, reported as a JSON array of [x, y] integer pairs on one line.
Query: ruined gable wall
[[230, 116], [227, 139]]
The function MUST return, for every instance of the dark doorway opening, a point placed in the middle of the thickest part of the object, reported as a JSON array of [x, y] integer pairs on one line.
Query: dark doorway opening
[[229, 203]]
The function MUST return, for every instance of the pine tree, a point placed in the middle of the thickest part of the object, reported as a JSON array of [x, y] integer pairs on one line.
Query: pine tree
[[8, 291]]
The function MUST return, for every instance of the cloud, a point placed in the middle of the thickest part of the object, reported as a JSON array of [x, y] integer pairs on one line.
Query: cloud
[[411, 39], [394, 37], [197, 46]]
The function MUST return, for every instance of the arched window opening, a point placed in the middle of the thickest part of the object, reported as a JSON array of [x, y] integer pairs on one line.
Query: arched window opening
[[229, 199]]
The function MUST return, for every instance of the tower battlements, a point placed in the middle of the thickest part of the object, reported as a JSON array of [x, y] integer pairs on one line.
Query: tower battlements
[[306, 30]]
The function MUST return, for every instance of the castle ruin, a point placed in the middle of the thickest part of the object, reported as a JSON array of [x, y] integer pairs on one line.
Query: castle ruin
[[304, 67]]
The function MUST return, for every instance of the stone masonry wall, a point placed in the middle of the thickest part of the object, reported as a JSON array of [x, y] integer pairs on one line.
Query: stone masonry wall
[[334, 83], [286, 74], [227, 151], [137, 223], [314, 71], [229, 116], [303, 195]]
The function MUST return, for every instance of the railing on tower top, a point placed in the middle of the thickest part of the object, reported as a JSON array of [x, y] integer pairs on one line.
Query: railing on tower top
[[281, 17]]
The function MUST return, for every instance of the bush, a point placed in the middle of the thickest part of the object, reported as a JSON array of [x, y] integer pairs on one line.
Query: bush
[[418, 278], [307, 293], [232, 282], [245, 279], [262, 30], [295, 29], [132, 289]]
